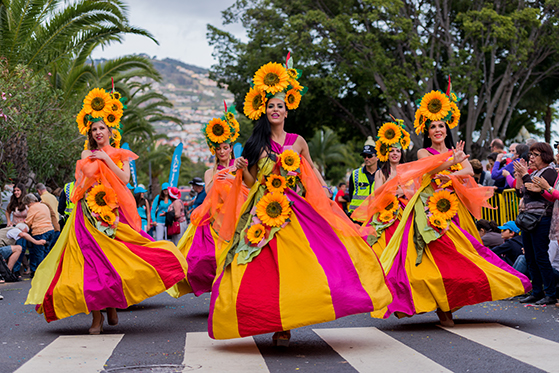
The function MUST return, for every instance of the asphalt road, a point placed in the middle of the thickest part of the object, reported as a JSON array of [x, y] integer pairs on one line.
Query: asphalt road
[[153, 333]]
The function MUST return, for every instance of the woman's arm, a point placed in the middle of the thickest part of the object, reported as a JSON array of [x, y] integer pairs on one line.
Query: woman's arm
[[459, 157], [8, 220], [379, 179], [177, 207], [123, 175], [148, 212], [154, 209], [208, 179], [249, 174], [304, 152]]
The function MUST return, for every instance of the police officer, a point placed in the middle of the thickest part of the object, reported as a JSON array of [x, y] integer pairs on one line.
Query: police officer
[[362, 180], [65, 205]]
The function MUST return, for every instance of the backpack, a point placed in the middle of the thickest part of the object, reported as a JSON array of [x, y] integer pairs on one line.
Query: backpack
[[5, 272]]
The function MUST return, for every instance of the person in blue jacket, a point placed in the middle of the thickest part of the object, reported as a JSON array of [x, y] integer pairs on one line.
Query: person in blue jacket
[[158, 209]]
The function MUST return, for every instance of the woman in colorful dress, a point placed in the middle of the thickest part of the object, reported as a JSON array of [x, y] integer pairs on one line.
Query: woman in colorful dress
[[201, 245], [435, 261], [294, 258], [382, 210], [103, 259]]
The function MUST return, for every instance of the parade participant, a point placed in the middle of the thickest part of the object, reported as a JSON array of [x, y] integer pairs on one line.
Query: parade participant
[[142, 204], [294, 258], [102, 258], [434, 260], [200, 244], [159, 207], [362, 180], [383, 209]]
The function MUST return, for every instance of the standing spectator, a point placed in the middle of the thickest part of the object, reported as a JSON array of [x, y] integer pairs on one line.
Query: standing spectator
[[198, 186], [497, 146], [536, 240], [142, 204], [5, 199], [39, 221], [16, 211], [511, 249], [48, 198], [481, 176], [340, 197], [491, 158], [159, 207], [65, 204], [8, 240], [180, 215], [490, 233], [500, 171], [362, 180]]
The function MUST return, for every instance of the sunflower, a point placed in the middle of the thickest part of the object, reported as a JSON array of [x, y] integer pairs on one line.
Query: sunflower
[[96, 103], [83, 123], [389, 133], [273, 209], [405, 142], [113, 119], [292, 181], [435, 105], [117, 138], [439, 182], [437, 221], [453, 97], [290, 160], [235, 124], [292, 99], [255, 103], [101, 199], [86, 145], [116, 106], [456, 167], [443, 204], [295, 85], [276, 183], [115, 95], [382, 151], [393, 205], [455, 117], [386, 216], [229, 116], [419, 123], [108, 217], [218, 130], [271, 78], [293, 74], [256, 233]]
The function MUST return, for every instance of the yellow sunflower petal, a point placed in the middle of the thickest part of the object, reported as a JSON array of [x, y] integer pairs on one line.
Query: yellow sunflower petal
[[383, 151], [271, 78], [444, 204], [453, 122], [390, 133], [256, 233], [273, 209], [83, 124], [438, 221], [276, 183], [290, 160], [292, 99], [435, 105], [101, 199], [96, 103], [255, 104], [218, 130]]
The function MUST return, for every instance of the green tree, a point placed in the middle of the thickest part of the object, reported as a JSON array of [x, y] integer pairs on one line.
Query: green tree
[[327, 152]]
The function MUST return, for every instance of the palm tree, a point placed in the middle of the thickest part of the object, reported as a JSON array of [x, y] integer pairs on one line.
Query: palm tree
[[325, 149]]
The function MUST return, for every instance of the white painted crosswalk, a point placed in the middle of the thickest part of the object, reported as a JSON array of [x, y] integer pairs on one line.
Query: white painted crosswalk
[[366, 349]]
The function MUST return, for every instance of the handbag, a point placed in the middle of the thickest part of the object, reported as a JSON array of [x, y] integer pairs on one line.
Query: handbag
[[527, 221], [174, 229]]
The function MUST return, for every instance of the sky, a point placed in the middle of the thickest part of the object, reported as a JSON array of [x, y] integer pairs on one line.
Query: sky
[[178, 25]]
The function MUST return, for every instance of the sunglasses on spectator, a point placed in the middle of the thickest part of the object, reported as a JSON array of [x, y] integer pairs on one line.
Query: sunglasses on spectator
[[368, 155], [534, 154]]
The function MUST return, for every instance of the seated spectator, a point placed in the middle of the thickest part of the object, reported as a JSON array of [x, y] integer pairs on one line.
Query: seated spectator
[[8, 247], [489, 233], [48, 198], [39, 220], [511, 249], [481, 176]]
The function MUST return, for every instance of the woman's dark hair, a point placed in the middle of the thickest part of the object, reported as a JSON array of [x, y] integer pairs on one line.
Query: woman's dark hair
[[92, 143], [162, 196], [492, 156], [545, 150], [448, 140], [258, 142], [488, 226], [385, 166], [521, 149], [139, 200], [17, 202]]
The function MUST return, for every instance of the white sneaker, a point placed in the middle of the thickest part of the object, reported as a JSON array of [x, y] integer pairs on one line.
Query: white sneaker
[[1, 297]]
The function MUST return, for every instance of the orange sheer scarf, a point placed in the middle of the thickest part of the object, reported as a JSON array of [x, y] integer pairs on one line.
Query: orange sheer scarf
[[89, 171]]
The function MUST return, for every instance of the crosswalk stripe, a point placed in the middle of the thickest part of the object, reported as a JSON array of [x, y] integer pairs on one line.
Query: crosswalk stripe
[[234, 355], [528, 348], [370, 350], [83, 354]]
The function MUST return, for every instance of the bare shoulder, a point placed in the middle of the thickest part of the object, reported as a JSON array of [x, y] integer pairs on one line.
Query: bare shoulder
[[86, 153], [423, 153], [300, 144]]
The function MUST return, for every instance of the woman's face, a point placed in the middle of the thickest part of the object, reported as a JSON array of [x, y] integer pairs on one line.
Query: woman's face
[[536, 160], [437, 132], [395, 155], [101, 134], [17, 192], [276, 111], [165, 192], [223, 152]]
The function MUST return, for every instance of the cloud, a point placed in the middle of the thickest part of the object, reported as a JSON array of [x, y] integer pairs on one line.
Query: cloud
[[178, 25]]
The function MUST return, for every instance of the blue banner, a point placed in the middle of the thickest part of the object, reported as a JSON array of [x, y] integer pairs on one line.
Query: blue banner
[[133, 173], [175, 166]]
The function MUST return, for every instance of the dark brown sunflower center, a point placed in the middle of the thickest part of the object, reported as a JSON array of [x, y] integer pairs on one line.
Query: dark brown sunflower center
[[435, 105], [99, 199], [111, 118], [271, 79], [257, 101], [97, 103], [389, 134], [383, 149], [257, 232], [292, 73], [276, 183], [273, 209], [114, 107], [291, 99], [291, 180], [390, 206], [289, 161], [218, 130], [443, 205]]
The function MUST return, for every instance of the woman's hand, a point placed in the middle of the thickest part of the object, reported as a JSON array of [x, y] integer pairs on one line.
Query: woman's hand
[[240, 163], [459, 155], [443, 178], [541, 182], [506, 173], [99, 154], [225, 174], [521, 167], [533, 187]]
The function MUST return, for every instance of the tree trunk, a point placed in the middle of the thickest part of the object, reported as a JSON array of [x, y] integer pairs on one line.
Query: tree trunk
[[547, 120]]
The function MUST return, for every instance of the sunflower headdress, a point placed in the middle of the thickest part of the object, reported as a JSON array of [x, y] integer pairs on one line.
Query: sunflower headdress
[[102, 105], [274, 80], [435, 106], [391, 134], [222, 130]]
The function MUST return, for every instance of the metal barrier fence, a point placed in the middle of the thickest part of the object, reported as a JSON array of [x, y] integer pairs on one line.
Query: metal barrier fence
[[506, 204]]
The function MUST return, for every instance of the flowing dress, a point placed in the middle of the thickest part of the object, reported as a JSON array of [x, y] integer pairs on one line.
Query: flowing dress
[[448, 268], [313, 268], [91, 268], [200, 245]]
